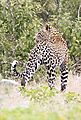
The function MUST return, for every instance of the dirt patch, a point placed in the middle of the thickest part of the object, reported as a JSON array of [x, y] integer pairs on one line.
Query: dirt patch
[[74, 84]]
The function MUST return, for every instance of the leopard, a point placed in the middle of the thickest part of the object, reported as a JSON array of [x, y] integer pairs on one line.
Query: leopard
[[51, 51]]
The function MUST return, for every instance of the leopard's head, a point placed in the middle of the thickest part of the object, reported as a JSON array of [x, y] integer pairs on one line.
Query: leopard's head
[[43, 34]]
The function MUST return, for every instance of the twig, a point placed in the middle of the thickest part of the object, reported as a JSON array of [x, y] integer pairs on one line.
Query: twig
[[79, 11]]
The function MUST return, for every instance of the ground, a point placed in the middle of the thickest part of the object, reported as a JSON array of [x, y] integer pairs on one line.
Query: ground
[[37, 102]]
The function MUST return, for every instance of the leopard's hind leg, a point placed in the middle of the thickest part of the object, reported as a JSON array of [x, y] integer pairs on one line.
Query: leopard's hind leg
[[64, 75], [51, 75]]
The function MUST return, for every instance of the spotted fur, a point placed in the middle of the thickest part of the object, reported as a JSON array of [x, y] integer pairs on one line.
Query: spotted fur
[[50, 50]]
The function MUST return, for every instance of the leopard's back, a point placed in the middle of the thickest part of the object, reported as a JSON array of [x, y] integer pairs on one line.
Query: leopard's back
[[54, 41]]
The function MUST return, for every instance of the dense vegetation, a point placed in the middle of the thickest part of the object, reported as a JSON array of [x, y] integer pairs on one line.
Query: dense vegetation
[[21, 19]]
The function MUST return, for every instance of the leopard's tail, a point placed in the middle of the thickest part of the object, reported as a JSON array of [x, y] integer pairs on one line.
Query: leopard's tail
[[13, 68]]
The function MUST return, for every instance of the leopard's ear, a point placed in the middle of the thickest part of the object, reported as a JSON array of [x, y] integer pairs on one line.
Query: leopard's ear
[[47, 27]]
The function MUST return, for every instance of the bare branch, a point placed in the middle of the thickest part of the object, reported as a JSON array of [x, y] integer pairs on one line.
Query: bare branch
[[79, 9]]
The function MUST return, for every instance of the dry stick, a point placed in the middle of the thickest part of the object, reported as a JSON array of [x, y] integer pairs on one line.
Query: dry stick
[[75, 64], [79, 9], [59, 6]]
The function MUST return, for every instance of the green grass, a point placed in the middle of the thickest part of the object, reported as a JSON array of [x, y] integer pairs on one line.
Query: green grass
[[75, 113], [33, 113], [27, 114], [72, 96], [40, 94]]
